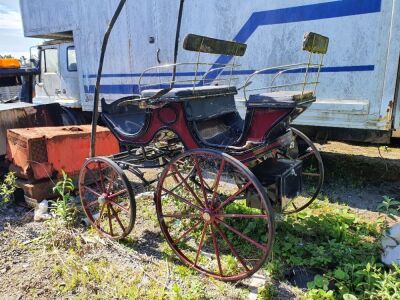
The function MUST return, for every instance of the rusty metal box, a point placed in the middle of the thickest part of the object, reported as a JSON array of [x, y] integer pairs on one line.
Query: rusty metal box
[[39, 153]]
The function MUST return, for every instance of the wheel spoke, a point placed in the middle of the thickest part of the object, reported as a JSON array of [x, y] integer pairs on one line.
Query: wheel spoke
[[241, 216], [284, 155], [89, 205], [201, 243], [176, 180], [101, 176], [199, 173], [187, 232], [311, 174], [117, 194], [233, 197], [119, 206], [257, 244], [188, 187], [216, 183], [306, 155], [117, 218], [180, 216], [100, 215], [111, 181], [91, 172], [91, 190], [216, 251], [238, 257], [109, 219], [182, 199]]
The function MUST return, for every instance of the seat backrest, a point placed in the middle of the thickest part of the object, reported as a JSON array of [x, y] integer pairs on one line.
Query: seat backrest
[[315, 43], [210, 108], [198, 43]]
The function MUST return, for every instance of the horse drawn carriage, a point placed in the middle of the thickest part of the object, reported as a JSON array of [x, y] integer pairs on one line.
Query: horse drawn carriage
[[223, 173]]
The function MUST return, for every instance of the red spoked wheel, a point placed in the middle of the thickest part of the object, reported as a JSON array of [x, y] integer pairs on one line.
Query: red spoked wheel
[[205, 218], [107, 197], [313, 173]]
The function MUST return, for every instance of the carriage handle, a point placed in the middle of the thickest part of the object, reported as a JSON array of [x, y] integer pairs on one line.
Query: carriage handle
[[284, 71], [171, 83], [285, 67], [220, 68]]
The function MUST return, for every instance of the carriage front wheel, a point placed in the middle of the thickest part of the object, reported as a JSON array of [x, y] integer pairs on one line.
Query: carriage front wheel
[[205, 218], [107, 197]]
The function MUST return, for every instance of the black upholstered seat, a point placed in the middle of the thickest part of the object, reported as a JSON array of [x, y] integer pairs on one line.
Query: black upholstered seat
[[187, 92], [127, 120], [282, 99]]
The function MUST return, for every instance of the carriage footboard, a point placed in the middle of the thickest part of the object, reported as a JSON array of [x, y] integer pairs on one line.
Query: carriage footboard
[[282, 179]]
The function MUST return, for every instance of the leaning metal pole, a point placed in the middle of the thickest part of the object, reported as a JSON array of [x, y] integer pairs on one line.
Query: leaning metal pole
[[178, 32], [95, 116]]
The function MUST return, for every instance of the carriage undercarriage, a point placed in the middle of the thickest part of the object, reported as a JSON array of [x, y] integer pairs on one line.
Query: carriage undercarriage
[[218, 179]]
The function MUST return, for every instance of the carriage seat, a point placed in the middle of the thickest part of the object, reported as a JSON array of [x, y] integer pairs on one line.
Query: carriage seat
[[188, 92], [124, 121], [281, 99], [211, 110], [213, 115]]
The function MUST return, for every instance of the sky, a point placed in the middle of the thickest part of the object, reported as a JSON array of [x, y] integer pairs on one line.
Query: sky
[[12, 40]]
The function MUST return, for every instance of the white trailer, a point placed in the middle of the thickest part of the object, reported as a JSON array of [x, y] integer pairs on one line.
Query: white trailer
[[359, 82]]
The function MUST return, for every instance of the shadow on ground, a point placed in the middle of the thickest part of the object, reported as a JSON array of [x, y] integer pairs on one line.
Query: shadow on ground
[[361, 179]]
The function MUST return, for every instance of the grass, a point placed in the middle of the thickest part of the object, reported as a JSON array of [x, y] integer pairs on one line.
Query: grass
[[340, 246]]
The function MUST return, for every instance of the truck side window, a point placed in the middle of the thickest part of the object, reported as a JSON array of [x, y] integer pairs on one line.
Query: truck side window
[[51, 61], [71, 59]]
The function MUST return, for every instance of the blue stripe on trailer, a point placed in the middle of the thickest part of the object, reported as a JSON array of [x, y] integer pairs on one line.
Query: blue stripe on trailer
[[360, 68], [127, 89], [134, 88], [162, 74]]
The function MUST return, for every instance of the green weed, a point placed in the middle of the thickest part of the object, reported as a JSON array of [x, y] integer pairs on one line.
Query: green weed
[[63, 209], [343, 247], [390, 207], [268, 292], [7, 188]]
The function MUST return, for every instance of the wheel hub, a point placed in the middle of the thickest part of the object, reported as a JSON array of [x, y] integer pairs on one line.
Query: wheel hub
[[208, 216], [102, 199]]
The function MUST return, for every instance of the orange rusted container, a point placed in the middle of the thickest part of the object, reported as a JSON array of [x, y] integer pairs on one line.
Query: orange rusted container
[[9, 63], [39, 153]]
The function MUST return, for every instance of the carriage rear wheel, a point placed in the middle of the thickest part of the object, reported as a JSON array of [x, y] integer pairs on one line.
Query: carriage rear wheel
[[107, 197], [313, 171], [205, 218]]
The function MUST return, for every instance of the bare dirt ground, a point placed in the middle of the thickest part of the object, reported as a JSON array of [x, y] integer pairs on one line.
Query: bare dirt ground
[[39, 262], [361, 175]]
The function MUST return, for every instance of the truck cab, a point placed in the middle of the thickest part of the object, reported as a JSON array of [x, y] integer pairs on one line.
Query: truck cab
[[58, 81]]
